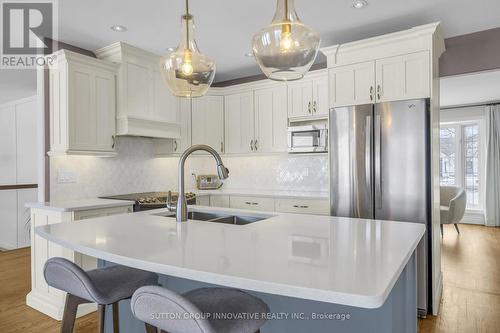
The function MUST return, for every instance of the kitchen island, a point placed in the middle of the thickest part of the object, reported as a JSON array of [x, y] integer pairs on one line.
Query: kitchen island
[[317, 273]]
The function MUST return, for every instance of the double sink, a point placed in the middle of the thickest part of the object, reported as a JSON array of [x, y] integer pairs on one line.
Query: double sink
[[218, 217]]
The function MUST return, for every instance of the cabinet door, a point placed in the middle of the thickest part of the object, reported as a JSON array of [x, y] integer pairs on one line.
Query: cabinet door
[[239, 122], [184, 118], [219, 201], [92, 109], [271, 120], [164, 103], [8, 220], [403, 77], [8, 146], [320, 105], [23, 215], [300, 99], [208, 122], [352, 84], [26, 146]]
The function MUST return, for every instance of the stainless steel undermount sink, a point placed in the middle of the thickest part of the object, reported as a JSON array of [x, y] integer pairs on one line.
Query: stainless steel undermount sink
[[218, 217]]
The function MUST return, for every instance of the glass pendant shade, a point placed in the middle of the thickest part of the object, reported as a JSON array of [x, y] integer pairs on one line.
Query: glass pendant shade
[[186, 71], [286, 49]]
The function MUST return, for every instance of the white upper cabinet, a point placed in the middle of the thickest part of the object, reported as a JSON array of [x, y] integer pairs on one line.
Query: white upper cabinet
[[308, 98], [239, 122], [207, 124], [82, 105], [403, 77], [352, 84], [270, 120], [145, 106]]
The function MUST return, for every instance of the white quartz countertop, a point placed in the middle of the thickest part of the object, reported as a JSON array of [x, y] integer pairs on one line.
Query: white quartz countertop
[[77, 205], [345, 261], [265, 193]]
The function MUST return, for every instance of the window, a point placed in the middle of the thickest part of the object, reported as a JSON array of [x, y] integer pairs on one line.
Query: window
[[461, 159]]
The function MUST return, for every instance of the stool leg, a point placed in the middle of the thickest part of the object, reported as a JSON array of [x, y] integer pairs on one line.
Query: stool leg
[[100, 317], [116, 319], [69, 316]]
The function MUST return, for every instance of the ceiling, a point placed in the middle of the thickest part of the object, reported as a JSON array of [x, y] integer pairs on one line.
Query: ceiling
[[225, 27], [477, 88]]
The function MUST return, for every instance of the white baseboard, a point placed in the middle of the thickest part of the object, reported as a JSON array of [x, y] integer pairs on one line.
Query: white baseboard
[[55, 310], [473, 217]]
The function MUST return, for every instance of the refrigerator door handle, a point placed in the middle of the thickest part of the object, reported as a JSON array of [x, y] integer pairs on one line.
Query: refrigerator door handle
[[368, 149], [378, 162]]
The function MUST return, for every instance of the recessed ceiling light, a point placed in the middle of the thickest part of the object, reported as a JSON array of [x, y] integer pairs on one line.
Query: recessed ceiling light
[[249, 54], [358, 4], [119, 28], [170, 49]]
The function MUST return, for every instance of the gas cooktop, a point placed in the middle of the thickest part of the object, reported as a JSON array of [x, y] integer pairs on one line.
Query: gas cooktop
[[151, 200]]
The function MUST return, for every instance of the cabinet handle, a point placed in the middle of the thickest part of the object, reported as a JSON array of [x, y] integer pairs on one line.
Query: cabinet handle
[[251, 145], [309, 107], [175, 145], [371, 93], [113, 142], [300, 206], [222, 147], [255, 145], [379, 91], [315, 109]]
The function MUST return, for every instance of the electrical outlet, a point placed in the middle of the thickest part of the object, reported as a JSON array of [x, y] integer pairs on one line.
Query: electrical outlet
[[66, 177]]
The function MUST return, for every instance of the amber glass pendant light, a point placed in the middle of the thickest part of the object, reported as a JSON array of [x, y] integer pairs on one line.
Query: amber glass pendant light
[[286, 49], [186, 71]]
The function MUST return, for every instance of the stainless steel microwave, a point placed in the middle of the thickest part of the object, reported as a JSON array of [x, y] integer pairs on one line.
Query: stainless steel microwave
[[308, 139]]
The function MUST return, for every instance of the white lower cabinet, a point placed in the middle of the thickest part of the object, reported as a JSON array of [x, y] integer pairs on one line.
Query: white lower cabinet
[[203, 200], [221, 201], [252, 203], [303, 206], [43, 298]]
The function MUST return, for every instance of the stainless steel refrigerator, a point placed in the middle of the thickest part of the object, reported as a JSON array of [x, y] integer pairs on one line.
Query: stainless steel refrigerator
[[379, 169]]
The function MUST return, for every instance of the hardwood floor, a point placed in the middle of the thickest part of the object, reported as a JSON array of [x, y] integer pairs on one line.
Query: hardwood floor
[[15, 315], [471, 282], [470, 304]]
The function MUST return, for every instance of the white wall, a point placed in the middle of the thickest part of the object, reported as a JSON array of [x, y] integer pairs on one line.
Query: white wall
[[136, 169]]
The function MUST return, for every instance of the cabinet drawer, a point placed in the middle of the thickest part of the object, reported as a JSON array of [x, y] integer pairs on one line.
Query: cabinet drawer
[[253, 203], [219, 201], [303, 206], [203, 200]]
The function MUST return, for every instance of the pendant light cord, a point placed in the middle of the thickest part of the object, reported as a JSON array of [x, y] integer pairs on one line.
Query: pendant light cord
[[188, 17]]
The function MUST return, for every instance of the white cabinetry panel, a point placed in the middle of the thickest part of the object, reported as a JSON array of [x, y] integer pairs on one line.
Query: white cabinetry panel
[[252, 203], [299, 99], [303, 206], [23, 215], [320, 96], [26, 148], [403, 77], [8, 145], [219, 201], [8, 220], [271, 120], [239, 122], [352, 84], [208, 121]]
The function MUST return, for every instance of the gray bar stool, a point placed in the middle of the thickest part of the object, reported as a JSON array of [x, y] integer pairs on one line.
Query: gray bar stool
[[103, 286], [186, 313]]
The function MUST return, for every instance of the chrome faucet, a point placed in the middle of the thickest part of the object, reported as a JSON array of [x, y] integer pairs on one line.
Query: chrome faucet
[[222, 171]]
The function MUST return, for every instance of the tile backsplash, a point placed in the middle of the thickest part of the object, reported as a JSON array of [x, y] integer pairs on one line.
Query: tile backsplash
[[136, 169]]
